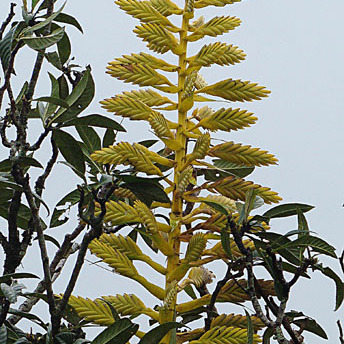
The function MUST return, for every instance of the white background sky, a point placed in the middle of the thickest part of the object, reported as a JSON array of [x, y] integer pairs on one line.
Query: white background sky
[[295, 48]]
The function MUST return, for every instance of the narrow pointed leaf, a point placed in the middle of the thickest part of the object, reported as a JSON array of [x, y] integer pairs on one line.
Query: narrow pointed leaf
[[317, 245], [155, 335], [117, 333], [288, 209], [95, 121], [337, 280], [30, 30], [70, 149], [53, 100], [68, 19], [41, 43]]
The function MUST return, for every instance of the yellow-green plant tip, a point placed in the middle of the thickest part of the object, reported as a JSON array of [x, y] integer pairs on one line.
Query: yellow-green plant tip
[[236, 90], [236, 188], [242, 155], [214, 27]]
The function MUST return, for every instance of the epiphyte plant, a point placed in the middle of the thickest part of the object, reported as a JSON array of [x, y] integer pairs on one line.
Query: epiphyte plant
[[192, 198]]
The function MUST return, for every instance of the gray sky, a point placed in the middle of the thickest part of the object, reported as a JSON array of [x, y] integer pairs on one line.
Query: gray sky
[[295, 49]]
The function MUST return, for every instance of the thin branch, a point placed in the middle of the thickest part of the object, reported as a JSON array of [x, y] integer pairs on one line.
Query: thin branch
[[36, 221], [40, 183], [40, 140], [341, 261], [3, 126], [96, 230], [341, 337], [8, 19], [12, 250], [9, 71], [56, 267]]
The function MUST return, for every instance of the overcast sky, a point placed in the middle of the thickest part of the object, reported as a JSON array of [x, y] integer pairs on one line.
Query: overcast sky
[[295, 48]]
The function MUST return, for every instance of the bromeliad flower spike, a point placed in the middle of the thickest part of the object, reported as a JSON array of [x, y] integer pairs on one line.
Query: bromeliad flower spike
[[197, 196]]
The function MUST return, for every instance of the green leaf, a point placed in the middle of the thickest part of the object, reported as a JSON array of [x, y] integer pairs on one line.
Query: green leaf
[[109, 138], [70, 150], [89, 137], [249, 329], [78, 100], [288, 209], [22, 340], [310, 325], [145, 189], [64, 48], [226, 242], [54, 58], [303, 228], [41, 43], [63, 87], [94, 121], [29, 316], [112, 309], [317, 245], [3, 334], [148, 143], [292, 269], [5, 182], [237, 170], [6, 46], [217, 207], [277, 241], [65, 338], [33, 4], [23, 216], [44, 5], [145, 236], [16, 275], [337, 280], [117, 333], [31, 29], [66, 202], [189, 290], [53, 100], [51, 239], [68, 19], [155, 335]]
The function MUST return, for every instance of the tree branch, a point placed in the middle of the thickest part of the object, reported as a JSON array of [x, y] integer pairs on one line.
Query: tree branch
[[56, 267], [341, 338], [40, 182], [96, 230], [8, 19]]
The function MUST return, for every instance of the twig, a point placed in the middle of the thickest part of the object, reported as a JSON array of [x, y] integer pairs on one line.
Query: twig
[[9, 71], [211, 305], [36, 221], [8, 19], [12, 259], [56, 266], [40, 183], [341, 337], [96, 224], [40, 140], [3, 126], [341, 261]]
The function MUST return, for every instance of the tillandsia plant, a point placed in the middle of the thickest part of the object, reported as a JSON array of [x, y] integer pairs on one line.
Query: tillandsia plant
[[192, 199]]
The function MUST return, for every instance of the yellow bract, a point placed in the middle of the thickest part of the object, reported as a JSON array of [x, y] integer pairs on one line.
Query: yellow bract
[[236, 90], [242, 155], [214, 27], [227, 119], [236, 188]]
